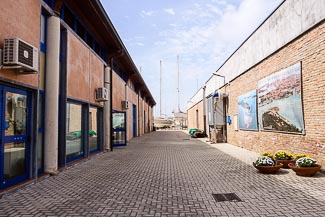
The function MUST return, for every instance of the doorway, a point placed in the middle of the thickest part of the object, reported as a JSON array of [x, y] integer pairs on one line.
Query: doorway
[[134, 120], [15, 136], [119, 128]]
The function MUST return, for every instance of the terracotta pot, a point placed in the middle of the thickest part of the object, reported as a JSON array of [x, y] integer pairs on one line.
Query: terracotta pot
[[285, 163], [268, 169], [304, 171]]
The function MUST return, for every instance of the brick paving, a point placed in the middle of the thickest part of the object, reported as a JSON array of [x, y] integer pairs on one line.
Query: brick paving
[[167, 174]]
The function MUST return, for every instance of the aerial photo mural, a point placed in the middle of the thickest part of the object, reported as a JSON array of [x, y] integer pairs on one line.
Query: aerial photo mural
[[279, 101], [247, 115]]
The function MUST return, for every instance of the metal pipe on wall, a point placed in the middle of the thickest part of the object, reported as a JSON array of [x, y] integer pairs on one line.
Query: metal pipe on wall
[[204, 112], [107, 110]]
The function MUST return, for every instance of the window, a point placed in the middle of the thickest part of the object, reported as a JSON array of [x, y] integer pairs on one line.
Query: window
[[43, 33], [81, 30], [50, 3], [93, 130], [74, 144], [89, 40], [76, 25], [69, 18]]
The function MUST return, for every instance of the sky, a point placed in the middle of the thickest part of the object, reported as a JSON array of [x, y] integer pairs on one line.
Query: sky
[[202, 33]]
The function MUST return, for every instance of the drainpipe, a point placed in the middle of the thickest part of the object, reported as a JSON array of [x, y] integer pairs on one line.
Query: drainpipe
[[107, 110], [126, 91], [126, 110], [52, 95], [138, 114], [143, 117], [204, 112]]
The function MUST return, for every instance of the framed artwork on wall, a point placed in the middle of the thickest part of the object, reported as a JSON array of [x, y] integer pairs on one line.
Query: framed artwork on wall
[[280, 101], [247, 111]]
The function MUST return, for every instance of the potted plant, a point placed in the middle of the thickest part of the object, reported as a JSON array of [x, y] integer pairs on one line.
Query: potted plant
[[305, 166], [284, 157], [269, 154], [267, 165], [297, 156]]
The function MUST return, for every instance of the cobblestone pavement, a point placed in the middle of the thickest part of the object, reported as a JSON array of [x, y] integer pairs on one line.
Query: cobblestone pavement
[[167, 174]]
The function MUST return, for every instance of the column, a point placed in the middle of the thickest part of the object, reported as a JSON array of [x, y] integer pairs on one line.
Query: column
[[52, 95]]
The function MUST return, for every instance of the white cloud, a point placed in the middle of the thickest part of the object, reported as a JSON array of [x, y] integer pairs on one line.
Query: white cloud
[[139, 44], [220, 2], [147, 13], [160, 43], [205, 38], [203, 34], [170, 11]]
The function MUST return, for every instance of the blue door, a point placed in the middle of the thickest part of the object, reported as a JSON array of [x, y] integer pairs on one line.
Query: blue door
[[134, 120], [15, 134], [119, 128]]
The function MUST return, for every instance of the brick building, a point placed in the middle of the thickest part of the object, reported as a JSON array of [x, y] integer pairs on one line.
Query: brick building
[[269, 94], [69, 87]]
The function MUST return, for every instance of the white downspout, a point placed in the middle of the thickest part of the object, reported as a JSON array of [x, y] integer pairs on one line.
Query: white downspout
[[107, 111]]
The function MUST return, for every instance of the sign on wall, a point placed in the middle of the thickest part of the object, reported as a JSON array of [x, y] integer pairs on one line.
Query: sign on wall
[[247, 114], [279, 101]]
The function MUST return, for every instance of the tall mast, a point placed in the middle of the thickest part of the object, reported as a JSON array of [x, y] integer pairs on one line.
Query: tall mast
[[160, 87], [178, 99]]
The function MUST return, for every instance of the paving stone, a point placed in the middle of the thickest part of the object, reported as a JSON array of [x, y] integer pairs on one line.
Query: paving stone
[[161, 174]]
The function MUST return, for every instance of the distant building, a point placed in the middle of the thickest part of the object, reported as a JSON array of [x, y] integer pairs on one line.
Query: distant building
[[180, 120]]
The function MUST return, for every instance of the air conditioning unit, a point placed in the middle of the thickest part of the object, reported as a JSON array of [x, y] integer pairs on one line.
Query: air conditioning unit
[[125, 104], [21, 55], [101, 94]]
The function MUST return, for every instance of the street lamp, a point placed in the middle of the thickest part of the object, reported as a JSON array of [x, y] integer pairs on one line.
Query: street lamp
[[214, 110]]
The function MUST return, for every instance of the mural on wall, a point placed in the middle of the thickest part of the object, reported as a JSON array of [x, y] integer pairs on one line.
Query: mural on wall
[[279, 101], [247, 115]]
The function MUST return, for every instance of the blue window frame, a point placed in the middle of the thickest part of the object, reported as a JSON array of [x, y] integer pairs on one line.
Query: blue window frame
[[134, 120], [50, 3], [43, 32], [119, 128], [15, 132], [40, 145]]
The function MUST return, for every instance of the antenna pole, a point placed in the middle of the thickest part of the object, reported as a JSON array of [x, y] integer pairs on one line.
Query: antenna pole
[[160, 86], [178, 84]]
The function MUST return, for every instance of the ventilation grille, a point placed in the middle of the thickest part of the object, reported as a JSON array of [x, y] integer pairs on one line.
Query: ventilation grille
[[232, 197], [8, 51], [25, 53]]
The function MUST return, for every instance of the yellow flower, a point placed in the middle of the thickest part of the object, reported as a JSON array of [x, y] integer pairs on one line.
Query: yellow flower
[[283, 155], [269, 154], [297, 156]]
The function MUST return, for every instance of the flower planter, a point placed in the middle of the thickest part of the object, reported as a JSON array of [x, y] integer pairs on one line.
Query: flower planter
[[285, 163], [305, 171], [268, 169]]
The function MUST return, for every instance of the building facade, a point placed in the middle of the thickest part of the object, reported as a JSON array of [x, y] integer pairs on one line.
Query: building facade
[[270, 92], [69, 88]]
